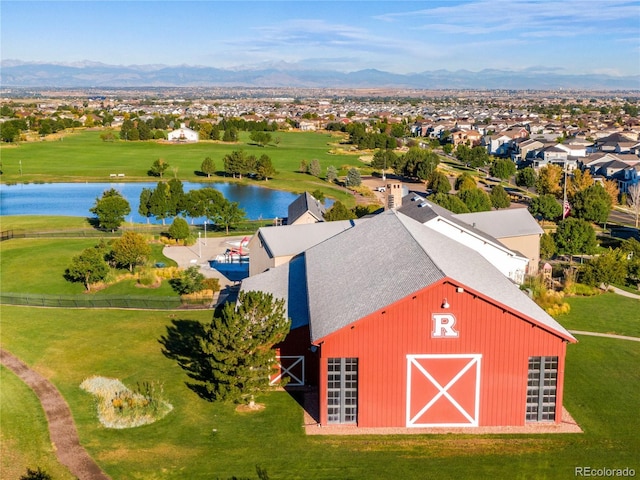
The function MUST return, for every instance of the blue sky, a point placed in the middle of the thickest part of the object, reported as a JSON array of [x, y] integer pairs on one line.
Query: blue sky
[[566, 36]]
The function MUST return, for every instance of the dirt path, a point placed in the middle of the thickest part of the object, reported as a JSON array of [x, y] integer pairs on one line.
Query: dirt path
[[62, 430]]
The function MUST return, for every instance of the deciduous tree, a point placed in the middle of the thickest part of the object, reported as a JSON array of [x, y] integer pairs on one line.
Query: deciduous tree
[[338, 212], [499, 197], [502, 168], [190, 281], [547, 246], [475, 199], [450, 202], [592, 204], [465, 182], [111, 209], [208, 167], [438, 182], [546, 207], [179, 229], [130, 250], [548, 182], [265, 168], [526, 177], [87, 268], [158, 167], [575, 236], [226, 214]]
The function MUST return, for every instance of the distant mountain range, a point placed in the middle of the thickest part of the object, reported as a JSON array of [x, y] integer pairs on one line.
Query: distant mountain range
[[15, 73]]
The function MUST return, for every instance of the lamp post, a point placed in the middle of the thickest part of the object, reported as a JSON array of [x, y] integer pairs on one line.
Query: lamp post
[[199, 245], [205, 231]]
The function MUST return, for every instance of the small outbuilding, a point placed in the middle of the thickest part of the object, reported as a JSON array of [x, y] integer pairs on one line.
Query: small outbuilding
[[183, 134]]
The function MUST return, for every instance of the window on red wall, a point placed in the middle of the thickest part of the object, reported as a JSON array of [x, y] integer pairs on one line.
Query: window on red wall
[[541, 389], [342, 390]]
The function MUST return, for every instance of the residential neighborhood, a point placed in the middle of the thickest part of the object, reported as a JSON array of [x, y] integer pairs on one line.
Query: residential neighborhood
[[439, 272]]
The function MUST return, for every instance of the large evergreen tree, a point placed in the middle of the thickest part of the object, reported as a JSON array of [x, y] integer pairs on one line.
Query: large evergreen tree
[[239, 346]]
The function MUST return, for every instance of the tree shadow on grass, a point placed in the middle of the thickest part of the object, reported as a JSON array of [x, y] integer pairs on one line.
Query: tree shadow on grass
[[183, 343]]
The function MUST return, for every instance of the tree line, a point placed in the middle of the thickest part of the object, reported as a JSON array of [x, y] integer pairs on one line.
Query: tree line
[[168, 200]]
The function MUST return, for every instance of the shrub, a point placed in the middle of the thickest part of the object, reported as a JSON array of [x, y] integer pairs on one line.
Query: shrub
[[148, 278], [212, 284], [179, 229], [119, 407], [35, 475], [189, 281]]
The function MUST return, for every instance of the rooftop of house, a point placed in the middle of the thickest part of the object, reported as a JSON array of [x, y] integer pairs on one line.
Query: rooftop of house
[[303, 204], [288, 240], [422, 210], [511, 222]]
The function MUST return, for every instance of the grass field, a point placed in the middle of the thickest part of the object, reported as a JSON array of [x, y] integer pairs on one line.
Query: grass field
[[83, 156], [38, 265], [606, 313], [601, 391]]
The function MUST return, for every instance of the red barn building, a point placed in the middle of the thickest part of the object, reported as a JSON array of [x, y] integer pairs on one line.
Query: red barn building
[[400, 326]]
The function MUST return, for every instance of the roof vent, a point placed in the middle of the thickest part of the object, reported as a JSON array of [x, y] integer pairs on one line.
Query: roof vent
[[423, 204], [416, 198]]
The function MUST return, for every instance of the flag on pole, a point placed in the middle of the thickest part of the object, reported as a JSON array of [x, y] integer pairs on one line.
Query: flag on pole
[[566, 209]]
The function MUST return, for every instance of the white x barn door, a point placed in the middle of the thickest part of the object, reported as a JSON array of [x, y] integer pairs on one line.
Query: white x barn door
[[443, 390], [291, 366]]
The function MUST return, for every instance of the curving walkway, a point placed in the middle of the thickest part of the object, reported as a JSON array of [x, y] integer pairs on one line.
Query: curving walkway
[[62, 429], [624, 293], [606, 335]]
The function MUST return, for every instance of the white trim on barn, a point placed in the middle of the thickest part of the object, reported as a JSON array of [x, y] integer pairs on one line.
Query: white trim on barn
[[295, 380], [425, 403]]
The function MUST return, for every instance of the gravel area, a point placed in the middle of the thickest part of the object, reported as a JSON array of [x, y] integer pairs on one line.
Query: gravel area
[[311, 426]]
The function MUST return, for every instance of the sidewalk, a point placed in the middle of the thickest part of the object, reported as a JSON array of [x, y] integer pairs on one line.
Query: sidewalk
[[200, 253]]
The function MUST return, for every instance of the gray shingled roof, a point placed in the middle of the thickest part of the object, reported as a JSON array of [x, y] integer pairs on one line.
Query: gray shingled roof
[[424, 211], [512, 222], [288, 240], [390, 257], [305, 203], [287, 282]]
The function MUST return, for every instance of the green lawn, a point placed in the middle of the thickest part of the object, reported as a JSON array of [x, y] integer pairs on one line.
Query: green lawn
[[606, 313], [602, 388], [82, 156], [38, 265], [40, 223], [24, 433]]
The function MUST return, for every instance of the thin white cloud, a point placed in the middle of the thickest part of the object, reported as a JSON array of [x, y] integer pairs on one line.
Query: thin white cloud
[[490, 16]]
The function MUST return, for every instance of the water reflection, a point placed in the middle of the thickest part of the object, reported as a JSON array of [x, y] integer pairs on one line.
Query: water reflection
[[75, 199]]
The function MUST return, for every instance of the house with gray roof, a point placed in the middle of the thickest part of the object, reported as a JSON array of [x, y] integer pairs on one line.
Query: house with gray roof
[[305, 209], [274, 246], [397, 325], [466, 230]]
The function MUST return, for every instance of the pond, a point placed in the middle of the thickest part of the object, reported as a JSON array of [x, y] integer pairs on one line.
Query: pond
[[75, 199]]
